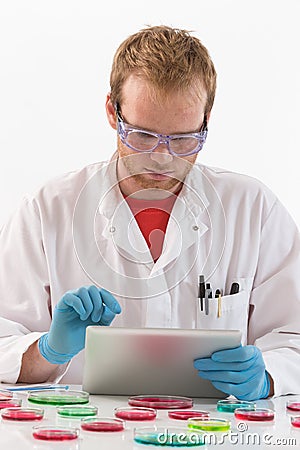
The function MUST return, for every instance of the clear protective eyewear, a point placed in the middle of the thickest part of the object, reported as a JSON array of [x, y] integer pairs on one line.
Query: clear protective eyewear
[[144, 141]]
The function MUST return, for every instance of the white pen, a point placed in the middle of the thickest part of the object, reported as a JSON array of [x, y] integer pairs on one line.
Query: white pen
[[208, 295]]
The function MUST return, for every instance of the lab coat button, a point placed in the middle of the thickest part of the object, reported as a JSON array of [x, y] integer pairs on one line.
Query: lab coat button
[[195, 228], [112, 229]]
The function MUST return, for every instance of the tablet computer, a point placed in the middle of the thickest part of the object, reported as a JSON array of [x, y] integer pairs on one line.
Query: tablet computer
[[157, 361]]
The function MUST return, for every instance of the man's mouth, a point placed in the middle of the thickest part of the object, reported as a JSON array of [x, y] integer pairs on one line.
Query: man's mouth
[[159, 175]]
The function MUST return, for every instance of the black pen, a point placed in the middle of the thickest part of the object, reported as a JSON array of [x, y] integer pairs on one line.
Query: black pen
[[235, 287], [201, 290]]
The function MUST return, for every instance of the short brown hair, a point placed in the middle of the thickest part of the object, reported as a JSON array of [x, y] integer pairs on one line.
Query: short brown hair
[[169, 58]]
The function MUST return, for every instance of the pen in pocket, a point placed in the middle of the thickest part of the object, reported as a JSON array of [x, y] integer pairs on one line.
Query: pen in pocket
[[235, 287], [218, 295]]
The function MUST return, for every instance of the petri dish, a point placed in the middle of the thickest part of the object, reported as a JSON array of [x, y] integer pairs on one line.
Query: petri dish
[[5, 394], [10, 403], [169, 437], [295, 421], [232, 405], [256, 415], [58, 397], [135, 413], [209, 424], [187, 414], [53, 433], [22, 414], [160, 401], [74, 412], [293, 405], [102, 424]]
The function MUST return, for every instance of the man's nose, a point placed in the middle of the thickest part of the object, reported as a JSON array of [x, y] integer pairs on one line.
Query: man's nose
[[161, 153]]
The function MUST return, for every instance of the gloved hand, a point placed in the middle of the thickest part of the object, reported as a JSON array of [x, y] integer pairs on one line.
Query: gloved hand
[[72, 314], [239, 371]]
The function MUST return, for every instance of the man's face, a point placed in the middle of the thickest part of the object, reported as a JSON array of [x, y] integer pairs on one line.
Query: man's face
[[179, 113]]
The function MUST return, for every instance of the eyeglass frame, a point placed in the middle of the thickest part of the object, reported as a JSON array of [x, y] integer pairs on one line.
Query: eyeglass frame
[[162, 138]]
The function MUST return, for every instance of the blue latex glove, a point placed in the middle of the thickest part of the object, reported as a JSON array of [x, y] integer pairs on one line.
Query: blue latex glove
[[239, 371], [73, 313]]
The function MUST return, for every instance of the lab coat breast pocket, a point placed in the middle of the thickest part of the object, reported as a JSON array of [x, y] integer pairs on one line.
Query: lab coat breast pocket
[[230, 313]]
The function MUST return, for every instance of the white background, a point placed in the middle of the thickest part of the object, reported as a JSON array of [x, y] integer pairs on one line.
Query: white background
[[55, 60]]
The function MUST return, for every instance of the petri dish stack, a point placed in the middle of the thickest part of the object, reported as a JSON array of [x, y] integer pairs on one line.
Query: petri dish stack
[[58, 397], [186, 414], [208, 424], [102, 424], [22, 414], [169, 437], [293, 405], [160, 401], [5, 394], [76, 411], [257, 415], [295, 421], [232, 405], [10, 403], [135, 413], [54, 433]]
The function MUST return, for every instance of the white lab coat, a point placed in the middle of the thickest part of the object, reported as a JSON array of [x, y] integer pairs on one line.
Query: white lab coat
[[78, 230]]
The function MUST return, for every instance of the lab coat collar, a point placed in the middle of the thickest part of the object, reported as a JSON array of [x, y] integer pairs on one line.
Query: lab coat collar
[[185, 225], [193, 192]]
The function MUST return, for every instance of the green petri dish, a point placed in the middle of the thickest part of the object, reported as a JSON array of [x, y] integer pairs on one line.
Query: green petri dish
[[208, 424], [77, 411], [231, 405], [58, 397], [169, 437]]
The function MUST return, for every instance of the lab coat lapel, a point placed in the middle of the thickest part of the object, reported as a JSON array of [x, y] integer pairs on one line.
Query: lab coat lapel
[[184, 229]]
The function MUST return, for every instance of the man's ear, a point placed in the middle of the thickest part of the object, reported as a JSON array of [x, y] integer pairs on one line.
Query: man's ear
[[110, 112]]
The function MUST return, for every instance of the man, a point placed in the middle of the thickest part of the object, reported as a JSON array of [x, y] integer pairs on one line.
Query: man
[[125, 241]]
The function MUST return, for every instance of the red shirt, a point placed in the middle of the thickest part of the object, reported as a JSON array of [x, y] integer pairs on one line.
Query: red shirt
[[152, 217]]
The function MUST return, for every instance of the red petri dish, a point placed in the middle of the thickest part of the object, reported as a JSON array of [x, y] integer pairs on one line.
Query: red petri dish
[[135, 413], [187, 414], [295, 421], [55, 433], [22, 414], [161, 402], [256, 415], [293, 405], [5, 394], [102, 424], [11, 403]]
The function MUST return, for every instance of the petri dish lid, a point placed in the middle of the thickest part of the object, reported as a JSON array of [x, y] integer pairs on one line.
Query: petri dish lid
[[22, 414], [10, 403], [258, 415], [102, 424], [5, 394], [187, 414], [293, 405], [135, 413], [169, 436], [76, 411], [54, 433], [232, 405], [58, 397], [209, 424], [161, 401], [295, 421]]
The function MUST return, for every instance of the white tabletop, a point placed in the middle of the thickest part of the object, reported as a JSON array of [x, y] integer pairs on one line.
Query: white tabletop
[[278, 434]]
